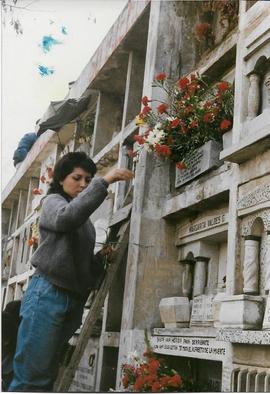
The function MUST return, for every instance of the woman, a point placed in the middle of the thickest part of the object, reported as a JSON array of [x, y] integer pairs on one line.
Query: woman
[[66, 270]]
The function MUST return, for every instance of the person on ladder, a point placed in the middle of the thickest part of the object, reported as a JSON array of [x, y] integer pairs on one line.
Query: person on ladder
[[66, 270]]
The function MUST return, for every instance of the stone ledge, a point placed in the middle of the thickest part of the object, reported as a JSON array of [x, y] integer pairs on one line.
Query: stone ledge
[[243, 336], [247, 148], [198, 194], [189, 332]]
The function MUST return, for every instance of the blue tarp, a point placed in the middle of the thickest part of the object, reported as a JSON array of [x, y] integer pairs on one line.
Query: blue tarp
[[24, 146]]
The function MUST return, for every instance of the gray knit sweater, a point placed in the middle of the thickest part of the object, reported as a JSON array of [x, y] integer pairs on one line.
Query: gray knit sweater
[[67, 238]]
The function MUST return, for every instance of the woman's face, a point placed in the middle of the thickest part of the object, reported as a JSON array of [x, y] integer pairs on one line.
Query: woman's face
[[76, 181]]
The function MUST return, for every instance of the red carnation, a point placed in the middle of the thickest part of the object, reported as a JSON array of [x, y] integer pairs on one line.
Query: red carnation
[[163, 150], [194, 124], [223, 86], [180, 165], [139, 138], [184, 129], [160, 77], [175, 380], [138, 385], [188, 109], [175, 123], [225, 124], [208, 117], [183, 82], [162, 108], [153, 365], [146, 110], [125, 381], [145, 100], [156, 387]]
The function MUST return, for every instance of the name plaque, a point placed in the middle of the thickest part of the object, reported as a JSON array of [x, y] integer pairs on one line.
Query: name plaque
[[202, 311], [203, 159], [195, 347], [219, 218]]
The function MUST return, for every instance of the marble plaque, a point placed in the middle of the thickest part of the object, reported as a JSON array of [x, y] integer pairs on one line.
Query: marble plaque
[[203, 159], [189, 346], [266, 319], [84, 379], [202, 311]]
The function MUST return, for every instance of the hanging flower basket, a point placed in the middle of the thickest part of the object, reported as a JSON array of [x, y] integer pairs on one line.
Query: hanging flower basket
[[193, 114]]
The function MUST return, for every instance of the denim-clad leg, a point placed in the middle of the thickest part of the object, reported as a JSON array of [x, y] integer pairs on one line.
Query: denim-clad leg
[[44, 311]]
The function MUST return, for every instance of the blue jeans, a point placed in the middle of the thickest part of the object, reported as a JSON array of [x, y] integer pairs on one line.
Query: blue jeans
[[50, 316]]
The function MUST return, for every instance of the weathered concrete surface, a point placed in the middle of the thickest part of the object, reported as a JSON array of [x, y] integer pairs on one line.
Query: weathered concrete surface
[[110, 43]]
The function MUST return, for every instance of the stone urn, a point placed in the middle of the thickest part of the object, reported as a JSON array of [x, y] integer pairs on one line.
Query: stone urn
[[241, 311], [175, 312]]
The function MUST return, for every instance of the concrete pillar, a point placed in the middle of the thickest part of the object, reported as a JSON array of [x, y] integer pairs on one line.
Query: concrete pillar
[[200, 275], [251, 265], [267, 263], [187, 277], [253, 96]]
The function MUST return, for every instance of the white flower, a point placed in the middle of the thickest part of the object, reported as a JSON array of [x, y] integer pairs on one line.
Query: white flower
[[155, 136]]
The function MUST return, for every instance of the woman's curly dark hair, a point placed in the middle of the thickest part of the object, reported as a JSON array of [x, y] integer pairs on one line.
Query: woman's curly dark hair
[[66, 165]]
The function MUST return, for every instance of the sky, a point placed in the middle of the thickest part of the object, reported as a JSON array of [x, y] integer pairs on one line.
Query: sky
[[59, 37]]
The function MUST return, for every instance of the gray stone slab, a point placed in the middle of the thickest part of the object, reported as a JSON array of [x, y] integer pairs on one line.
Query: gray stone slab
[[254, 337], [202, 311], [205, 158], [195, 347]]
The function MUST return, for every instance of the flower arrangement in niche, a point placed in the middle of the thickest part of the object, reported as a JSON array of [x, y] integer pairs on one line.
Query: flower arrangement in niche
[[217, 18], [150, 375], [193, 114]]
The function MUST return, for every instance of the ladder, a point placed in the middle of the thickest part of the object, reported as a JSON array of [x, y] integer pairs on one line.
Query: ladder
[[65, 377]]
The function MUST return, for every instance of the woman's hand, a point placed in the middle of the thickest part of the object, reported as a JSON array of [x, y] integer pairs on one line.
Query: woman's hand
[[118, 174]]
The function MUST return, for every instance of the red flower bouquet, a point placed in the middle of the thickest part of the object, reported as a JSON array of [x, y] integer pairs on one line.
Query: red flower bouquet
[[151, 375], [193, 114]]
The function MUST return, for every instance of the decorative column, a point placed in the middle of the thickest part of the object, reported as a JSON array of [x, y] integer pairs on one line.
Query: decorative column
[[267, 84], [187, 277], [267, 264], [251, 265], [253, 96], [200, 275]]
